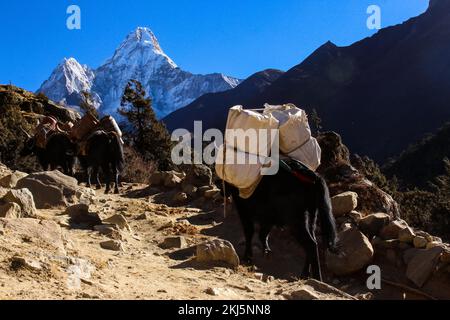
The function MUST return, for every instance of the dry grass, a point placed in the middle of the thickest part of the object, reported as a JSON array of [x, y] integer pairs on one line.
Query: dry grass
[[137, 170]]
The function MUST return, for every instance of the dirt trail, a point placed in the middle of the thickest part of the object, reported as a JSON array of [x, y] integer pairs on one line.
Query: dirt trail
[[144, 270]]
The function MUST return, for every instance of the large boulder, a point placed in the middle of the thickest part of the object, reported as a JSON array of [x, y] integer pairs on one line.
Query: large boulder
[[344, 203], [355, 253], [422, 263], [197, 175], [44, 234], [393, 229], [217, 250], [24, 198], [373, 223], [51, 189], [341, 177], [10, 180]]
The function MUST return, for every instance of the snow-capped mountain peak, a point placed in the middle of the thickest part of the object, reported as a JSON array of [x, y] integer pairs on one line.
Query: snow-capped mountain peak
[[69, 77], [140, 48], [138, 57]]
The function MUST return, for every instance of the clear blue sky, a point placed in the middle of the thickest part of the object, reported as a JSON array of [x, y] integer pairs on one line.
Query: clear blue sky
[[236, 37]]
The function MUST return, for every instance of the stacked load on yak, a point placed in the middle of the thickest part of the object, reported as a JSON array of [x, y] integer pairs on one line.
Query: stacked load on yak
[[295, 141], [88, 125], [46, 127], [109, 124], [84, 127]]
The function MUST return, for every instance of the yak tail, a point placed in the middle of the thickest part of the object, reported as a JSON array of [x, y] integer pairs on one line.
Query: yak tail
[[327, 222], [117, 151]]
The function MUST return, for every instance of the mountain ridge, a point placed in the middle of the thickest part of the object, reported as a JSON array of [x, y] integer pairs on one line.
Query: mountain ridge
[[381, 93], [139, 57]]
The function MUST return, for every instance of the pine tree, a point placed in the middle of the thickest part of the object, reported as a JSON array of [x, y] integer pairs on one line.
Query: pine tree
[[87, 104], [316, 120], [147, 135]]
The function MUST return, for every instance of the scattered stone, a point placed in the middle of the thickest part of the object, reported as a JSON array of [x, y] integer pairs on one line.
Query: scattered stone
[[344, 203], [373, 223], [180, 197], [445, 257], [420, 242], [120, 221], [385, 244], [433, 244], [224, 293], [81, 216], [356, 216], [356, 253], [258, 276], [211, 193], [426, 235], [110, 231], [10, 181], [18, 262], [202, 190], [174, 242], [172, 179], [157, 179], [10, 210], [422, 264], [190, 189], [24, 199], [392, 230], [212, 291], [144, 216], [305, 293], [218, 250], [406, 235], [167, 225], [197, 175], [113, 245]]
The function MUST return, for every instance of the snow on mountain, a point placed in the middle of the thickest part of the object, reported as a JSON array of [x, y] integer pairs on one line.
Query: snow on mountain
[[138, 57]]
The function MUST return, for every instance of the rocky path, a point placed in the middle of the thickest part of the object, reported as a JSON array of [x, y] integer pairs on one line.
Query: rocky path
[[47, 258]]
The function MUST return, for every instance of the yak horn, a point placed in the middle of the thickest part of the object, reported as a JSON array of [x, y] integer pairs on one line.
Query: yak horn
[[26, 133]]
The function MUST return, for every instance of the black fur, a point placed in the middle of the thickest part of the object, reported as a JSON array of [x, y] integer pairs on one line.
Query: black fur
[[282, 200], [58, 153], [105, 151]]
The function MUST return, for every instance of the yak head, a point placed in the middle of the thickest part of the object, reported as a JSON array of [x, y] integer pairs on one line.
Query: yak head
[[29, 144]]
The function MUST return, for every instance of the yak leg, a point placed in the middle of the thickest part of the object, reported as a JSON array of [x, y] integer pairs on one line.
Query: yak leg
[[95, 173], [309, 243], [88, 173], [264, 238], [116, 179], [107, 174], [249, 230]]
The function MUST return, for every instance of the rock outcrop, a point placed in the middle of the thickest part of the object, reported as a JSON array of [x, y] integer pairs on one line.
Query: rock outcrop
[[53, 189], [342, 177]]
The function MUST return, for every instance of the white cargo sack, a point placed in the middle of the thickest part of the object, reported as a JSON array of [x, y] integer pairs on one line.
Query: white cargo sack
[[296, 141], [240, 163]]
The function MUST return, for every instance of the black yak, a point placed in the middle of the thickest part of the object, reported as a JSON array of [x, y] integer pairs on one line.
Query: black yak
[[59, 152], [103, 151], [295, 198]]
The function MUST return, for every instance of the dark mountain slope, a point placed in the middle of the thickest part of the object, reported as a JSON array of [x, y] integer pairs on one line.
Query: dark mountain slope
[[212, 108], [421, 163], [381, 93]]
